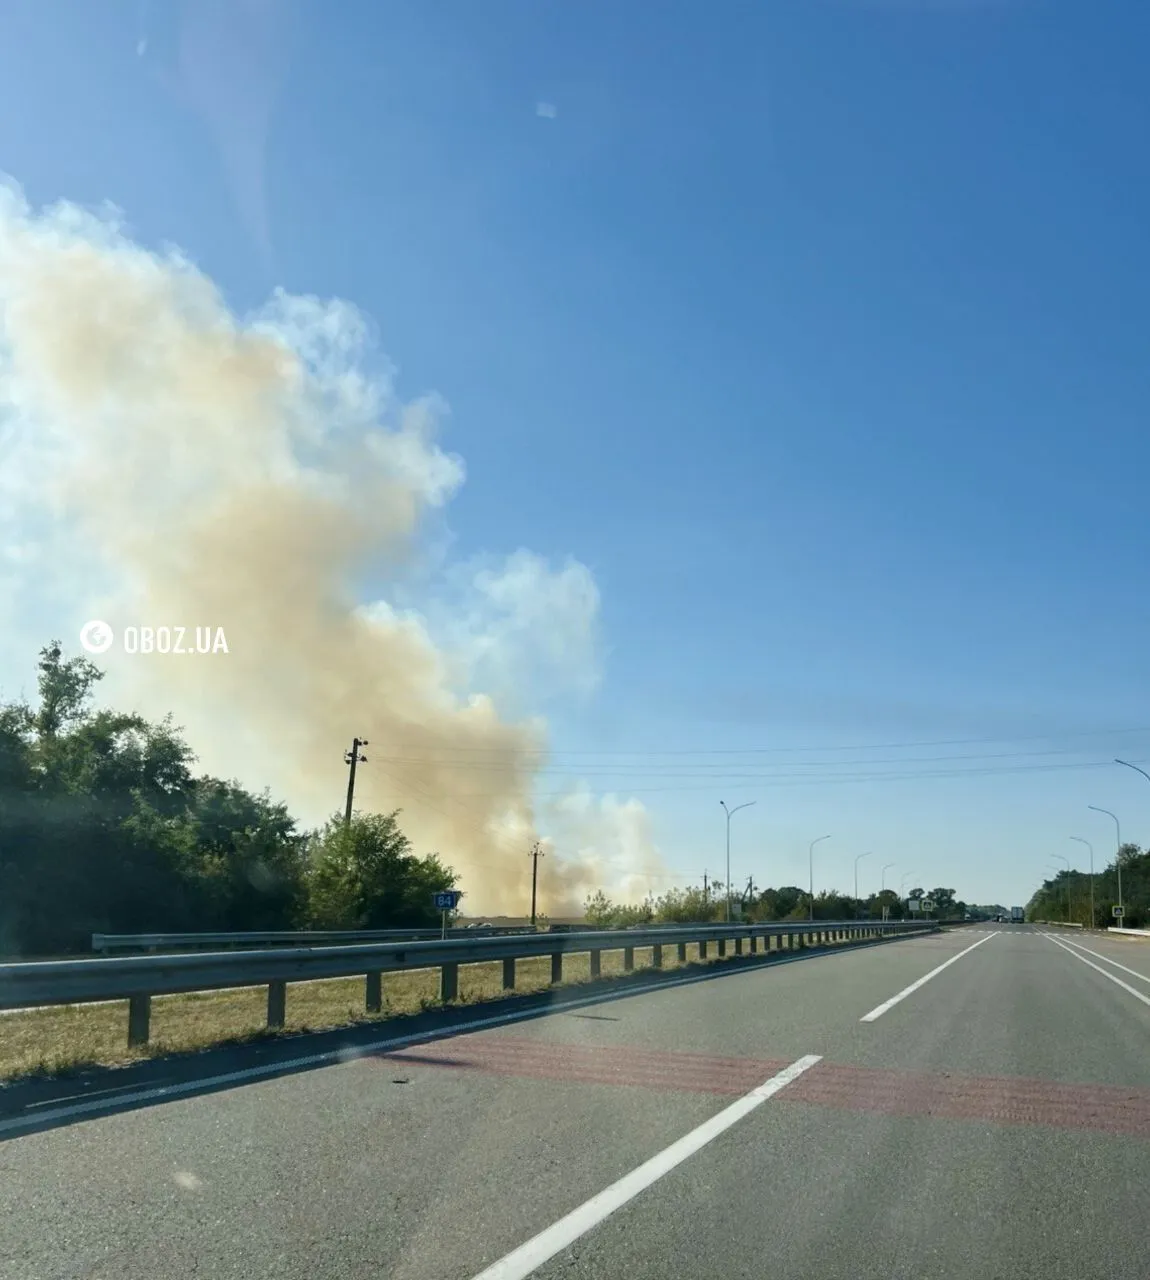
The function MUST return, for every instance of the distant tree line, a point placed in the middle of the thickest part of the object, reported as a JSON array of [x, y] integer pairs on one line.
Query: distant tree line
[[698, 905], [104, 827], [1066, 896]]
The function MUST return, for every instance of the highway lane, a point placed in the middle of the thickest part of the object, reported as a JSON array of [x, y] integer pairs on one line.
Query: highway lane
[[980, 1145], [1122, 955], [1005, 1100]]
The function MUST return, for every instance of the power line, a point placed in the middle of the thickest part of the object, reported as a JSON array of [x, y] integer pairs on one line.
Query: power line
[[514, 754], [716, 783], [687, 770]]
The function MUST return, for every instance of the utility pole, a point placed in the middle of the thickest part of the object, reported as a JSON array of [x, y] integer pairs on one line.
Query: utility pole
[[535, 855], [706, 891], [352, 757]]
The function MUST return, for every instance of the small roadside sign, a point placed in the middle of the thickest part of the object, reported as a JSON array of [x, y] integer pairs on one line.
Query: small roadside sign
[[927, 904], [913, 904], [1118, 912], [445, 900]]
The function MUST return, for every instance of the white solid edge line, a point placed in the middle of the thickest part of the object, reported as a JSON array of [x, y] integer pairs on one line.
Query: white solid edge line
[[539, 1249], [1105, 959], [332, 1057], [914, 986], [1098, 969]]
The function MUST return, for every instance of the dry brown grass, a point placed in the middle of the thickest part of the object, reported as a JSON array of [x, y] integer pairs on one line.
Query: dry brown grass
[[53, 1041]]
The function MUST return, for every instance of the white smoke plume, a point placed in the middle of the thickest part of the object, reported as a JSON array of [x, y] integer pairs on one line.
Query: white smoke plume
[[163, 462]]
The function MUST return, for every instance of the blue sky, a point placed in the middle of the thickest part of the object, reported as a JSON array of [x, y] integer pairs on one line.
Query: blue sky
[[816, 331]]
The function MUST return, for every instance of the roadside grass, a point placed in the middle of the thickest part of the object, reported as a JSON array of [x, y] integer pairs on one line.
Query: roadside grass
[[59, 1041]]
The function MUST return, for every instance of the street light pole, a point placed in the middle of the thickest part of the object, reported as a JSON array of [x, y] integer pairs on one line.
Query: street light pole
[[857, 861], [811, 855], [1147, 777], [1087, 843], [1063, 858], [882, 883], [729, 812], [1118, 855]]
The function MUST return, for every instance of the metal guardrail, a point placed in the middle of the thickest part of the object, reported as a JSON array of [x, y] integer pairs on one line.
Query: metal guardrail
[[138, 978], [107, 942]]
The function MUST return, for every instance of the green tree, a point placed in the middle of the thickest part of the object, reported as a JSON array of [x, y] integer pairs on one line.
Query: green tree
[[71, 779], [688, 906], [365, 876], [787, 903], [104, 829], [599, 910]]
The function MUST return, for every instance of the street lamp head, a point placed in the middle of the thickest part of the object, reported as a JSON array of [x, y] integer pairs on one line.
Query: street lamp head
[[1134, 767]]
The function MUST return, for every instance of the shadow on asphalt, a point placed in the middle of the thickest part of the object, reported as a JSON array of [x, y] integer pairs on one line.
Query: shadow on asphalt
[[38, 1104]]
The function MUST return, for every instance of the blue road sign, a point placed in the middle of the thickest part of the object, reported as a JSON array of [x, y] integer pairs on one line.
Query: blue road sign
[[446, 901]]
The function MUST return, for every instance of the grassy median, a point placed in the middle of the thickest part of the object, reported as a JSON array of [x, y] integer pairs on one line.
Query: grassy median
[[54, 1041]]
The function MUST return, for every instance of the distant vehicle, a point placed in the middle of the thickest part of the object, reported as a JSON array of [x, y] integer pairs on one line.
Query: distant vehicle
[[1017, 915]]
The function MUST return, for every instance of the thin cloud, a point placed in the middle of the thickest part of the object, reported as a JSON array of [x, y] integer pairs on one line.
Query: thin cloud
[[547, 110]]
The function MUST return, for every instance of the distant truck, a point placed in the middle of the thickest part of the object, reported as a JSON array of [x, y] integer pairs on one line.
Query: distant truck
[[1017, 915]]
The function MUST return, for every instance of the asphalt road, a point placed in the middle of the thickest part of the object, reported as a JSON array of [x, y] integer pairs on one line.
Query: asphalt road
[[993, 1122]]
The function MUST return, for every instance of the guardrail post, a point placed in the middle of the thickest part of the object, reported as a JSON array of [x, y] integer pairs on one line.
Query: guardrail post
[[682, 953], [738, 946], [449, 982], [557, 966], [139, 1019], [509, 973], [722, 947], [596, 963], [628, 958], [702, 948], [754, 944], [657, 956], [373, 991], [277, 1003]]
